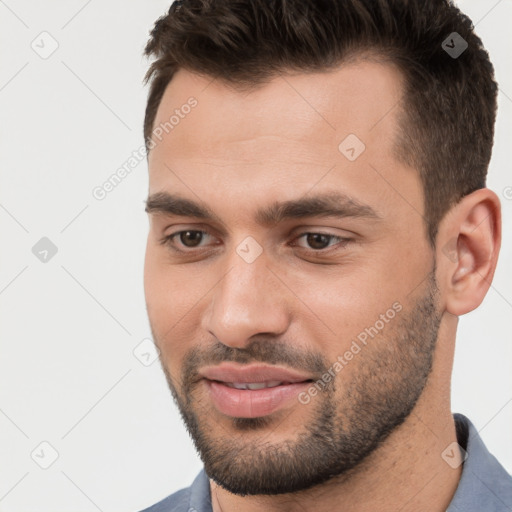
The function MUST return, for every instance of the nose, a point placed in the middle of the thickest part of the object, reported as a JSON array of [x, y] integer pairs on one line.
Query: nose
[[249, 300]]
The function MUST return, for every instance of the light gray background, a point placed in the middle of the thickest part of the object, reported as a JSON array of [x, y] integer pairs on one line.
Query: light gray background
[[69, 326]]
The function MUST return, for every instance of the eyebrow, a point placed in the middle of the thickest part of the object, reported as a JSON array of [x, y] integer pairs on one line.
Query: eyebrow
[[334, 204]]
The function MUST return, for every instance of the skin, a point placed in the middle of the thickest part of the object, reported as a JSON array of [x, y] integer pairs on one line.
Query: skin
[[238, 151]]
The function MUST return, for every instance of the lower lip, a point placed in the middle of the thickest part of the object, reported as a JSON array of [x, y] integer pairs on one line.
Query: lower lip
[[252, 403]]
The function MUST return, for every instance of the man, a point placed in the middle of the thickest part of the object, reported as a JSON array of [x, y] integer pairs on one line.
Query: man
[[318, 222]]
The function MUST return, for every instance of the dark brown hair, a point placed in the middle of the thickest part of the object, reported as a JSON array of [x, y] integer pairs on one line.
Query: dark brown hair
[[449, 104]]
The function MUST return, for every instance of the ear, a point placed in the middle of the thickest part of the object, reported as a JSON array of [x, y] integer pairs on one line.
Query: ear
[[467, 247]]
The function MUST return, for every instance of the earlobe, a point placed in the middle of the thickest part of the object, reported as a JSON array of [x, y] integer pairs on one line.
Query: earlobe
[[471, 237]]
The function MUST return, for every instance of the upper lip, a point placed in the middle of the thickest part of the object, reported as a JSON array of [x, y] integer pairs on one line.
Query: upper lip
[[228, 372]]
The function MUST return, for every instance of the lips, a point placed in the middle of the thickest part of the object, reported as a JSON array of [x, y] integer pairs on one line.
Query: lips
[[255, 373], [252, 391]]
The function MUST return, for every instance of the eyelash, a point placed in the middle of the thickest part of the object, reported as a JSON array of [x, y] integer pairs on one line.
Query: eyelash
[[169, 241]]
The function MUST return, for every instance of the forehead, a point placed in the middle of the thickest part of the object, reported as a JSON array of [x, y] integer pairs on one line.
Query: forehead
[[316, 108], [293, 130]]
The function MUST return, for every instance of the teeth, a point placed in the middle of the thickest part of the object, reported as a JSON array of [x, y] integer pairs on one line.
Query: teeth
[[254, 385], [273, 383]]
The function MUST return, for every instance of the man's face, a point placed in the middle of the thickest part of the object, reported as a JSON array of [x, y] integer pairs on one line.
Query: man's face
[[332, 318]]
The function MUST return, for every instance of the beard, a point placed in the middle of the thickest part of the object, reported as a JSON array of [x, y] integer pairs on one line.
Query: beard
[[350, 417]]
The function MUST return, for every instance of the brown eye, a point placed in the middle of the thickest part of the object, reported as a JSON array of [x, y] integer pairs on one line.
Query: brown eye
[[186, 239], [318, 240], [321, 243], [191, 238]]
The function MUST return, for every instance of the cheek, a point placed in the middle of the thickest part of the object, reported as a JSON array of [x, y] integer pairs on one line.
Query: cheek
[[349, 304], [168, 288], [155, 286], [172, 299], [347, 308]]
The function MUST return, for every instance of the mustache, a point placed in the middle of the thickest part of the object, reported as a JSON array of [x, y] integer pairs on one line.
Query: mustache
[[272, 352]]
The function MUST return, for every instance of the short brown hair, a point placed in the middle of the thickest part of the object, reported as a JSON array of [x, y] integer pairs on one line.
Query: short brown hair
[[449, 106]]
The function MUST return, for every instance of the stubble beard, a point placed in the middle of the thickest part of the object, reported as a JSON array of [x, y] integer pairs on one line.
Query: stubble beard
[[350, 419]]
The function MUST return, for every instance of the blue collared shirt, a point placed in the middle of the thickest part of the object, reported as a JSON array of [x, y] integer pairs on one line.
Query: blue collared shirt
[[484, 486]]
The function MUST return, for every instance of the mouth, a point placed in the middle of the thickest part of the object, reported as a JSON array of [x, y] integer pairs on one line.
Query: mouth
[[254, 385], [252, 391]]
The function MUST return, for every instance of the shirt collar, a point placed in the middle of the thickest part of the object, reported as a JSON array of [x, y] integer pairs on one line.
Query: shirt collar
[[484, 483]]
